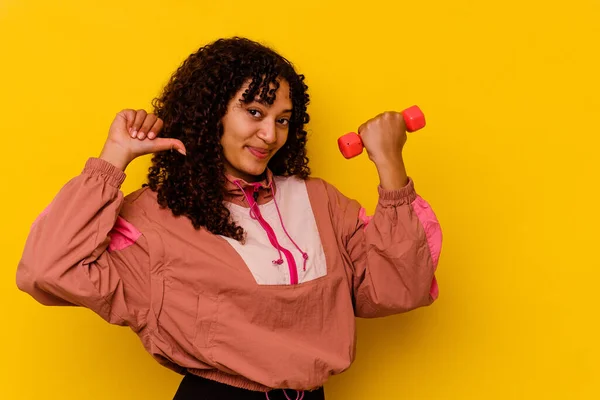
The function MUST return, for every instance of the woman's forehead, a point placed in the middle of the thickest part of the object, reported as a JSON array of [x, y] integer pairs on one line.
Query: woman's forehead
[[281, 96]]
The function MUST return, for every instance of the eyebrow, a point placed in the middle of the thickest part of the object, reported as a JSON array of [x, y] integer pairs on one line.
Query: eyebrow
[[264, 103]]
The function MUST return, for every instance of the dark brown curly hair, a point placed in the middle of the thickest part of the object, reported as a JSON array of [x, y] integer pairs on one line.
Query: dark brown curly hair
[[192, 106]]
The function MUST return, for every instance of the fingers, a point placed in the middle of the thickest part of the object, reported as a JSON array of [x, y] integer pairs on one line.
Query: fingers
[[140, 124], [129, 116], [140, 116], [360, 128], [385, 117], [365, 124], [146, 126], [156, 128]]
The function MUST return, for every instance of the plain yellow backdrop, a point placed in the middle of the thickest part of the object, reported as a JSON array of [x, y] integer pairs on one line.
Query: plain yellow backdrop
[[508, 160]]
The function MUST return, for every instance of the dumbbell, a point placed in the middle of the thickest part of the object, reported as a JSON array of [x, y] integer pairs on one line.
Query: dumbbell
[[351, 144]]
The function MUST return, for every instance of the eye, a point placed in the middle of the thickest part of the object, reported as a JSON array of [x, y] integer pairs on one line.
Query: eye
[[284, 121], [254, 112]]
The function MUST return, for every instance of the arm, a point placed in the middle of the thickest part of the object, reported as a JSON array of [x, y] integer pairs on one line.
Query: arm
[[69, 258], [394, 254], [80, 251]]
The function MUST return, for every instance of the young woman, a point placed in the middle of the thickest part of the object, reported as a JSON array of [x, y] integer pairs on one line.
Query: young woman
[[232, 266]]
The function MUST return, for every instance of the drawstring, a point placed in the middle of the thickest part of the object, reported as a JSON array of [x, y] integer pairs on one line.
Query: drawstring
[[304, 255], [299, 395], [255, 217]]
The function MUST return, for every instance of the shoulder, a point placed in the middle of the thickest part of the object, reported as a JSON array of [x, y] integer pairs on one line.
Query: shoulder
[[322, 188], [143, 199], [293, 180], [319, 190], [289, 184], [142, 209], [140, 206]]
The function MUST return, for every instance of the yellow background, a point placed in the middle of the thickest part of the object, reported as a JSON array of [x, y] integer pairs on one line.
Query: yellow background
[[508, 160]]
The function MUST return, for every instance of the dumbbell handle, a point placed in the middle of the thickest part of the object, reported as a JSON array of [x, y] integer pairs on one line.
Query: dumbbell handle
[[351, 144]]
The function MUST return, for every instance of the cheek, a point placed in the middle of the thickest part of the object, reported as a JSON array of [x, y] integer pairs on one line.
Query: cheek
[[230, 146], [232, 139], [237, 129]]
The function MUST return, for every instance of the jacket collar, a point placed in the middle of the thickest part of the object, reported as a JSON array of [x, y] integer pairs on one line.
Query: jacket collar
[[234, 186]]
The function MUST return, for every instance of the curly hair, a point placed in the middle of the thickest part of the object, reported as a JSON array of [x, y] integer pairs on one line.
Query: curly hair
[[192, 106]]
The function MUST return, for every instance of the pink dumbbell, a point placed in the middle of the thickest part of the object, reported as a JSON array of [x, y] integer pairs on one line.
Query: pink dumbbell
[[351, 145]]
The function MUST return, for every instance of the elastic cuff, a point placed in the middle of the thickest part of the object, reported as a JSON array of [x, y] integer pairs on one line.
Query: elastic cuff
[[395, 197], [114, 175]]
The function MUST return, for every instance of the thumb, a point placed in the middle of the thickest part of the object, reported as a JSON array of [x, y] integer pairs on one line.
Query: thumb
[[162, 144]]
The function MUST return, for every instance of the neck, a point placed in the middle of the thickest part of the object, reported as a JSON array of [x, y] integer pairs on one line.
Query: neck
[[233, 174]]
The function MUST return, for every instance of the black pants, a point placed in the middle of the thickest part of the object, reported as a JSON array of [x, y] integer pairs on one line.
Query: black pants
[[193, 387]]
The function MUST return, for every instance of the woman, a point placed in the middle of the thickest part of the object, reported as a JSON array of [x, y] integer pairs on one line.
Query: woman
[[233, 266]]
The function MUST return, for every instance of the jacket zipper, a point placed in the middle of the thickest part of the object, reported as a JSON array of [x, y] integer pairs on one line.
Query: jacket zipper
[[273, 239]]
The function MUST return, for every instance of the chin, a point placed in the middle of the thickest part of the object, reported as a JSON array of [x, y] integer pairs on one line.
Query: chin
[[255, 169]]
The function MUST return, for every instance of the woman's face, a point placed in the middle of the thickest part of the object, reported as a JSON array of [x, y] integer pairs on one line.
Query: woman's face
[[254, 132]]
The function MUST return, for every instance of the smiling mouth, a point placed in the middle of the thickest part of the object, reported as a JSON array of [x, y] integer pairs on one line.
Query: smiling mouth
[[258, 153]]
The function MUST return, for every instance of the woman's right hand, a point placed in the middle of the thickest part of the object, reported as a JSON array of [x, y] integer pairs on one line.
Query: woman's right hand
[[134, 133]]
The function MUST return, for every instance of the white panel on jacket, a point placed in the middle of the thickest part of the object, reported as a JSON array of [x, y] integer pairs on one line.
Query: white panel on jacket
[[298, 217]]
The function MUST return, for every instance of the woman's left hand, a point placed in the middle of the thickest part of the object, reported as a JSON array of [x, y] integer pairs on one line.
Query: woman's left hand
[[384, 137]]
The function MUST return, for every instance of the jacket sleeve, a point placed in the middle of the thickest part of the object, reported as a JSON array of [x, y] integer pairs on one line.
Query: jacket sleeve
[[80, 251], [394, 253]]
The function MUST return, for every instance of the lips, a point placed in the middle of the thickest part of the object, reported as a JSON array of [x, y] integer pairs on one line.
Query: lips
[[258, 153]]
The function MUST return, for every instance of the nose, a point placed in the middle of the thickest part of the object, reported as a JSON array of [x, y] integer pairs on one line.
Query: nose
[[268, 132]]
